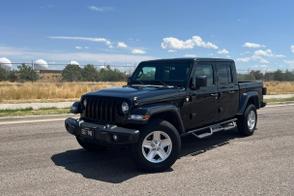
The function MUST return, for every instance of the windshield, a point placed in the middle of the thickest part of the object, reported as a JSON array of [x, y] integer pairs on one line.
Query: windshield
[[162, 73]]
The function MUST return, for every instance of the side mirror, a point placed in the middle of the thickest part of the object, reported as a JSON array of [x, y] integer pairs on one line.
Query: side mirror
[[198, 82], [201, 81]]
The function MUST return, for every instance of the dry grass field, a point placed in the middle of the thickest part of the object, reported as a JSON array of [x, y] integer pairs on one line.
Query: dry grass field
[[50, 91], [275, 87]]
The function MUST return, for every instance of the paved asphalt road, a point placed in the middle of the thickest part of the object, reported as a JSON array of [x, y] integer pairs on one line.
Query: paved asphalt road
[[40, 158]]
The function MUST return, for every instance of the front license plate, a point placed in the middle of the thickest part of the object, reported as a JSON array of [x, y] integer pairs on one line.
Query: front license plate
[[87, 132]]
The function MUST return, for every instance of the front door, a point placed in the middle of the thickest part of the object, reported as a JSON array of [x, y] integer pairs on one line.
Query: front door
[[201, 109]]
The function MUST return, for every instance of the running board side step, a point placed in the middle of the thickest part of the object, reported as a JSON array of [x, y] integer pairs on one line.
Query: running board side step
[[209, 130]]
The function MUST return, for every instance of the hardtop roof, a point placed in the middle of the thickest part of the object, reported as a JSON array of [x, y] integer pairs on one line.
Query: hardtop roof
[[191, 59]]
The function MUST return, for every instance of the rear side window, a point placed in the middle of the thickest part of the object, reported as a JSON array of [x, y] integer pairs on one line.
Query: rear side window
[[224, 74], [205, 70]]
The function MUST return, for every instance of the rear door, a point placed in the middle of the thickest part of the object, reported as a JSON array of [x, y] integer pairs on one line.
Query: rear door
[[201, 110], [228, 90]]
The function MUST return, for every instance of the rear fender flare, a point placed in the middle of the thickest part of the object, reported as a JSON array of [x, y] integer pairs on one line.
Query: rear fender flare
[[244, 99]]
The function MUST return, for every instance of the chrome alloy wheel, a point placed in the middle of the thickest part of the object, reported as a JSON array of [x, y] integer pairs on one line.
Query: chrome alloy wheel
[[156, 146], [251, 120]]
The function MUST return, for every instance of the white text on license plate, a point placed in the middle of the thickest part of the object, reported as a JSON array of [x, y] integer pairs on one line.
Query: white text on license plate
[[87, 132]]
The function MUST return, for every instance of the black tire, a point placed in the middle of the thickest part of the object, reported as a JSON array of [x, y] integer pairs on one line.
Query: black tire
[[89, 146], [243, 125], [167, 129]]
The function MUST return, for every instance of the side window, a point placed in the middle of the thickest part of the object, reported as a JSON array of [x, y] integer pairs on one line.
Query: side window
[[205, 70], [224, 74], [147, 73]]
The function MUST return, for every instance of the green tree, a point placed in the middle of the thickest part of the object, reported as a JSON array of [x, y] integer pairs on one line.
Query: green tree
[[278, 75], [108, 74], [288, 76], [72, 73], [256, 75], [89, 73], [26, 73], [12, 76], [3, 74], [245, 77]]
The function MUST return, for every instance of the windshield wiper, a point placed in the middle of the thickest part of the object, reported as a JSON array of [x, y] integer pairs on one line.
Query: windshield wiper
[[138, 81]]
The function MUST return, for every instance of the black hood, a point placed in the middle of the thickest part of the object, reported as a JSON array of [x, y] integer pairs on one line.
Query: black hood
[[143, 94]]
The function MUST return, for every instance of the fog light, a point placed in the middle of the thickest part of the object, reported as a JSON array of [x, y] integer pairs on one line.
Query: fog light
[[139, 117], [114, 137]]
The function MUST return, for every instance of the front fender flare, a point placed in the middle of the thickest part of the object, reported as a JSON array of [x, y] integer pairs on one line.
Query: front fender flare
[[157, 109]]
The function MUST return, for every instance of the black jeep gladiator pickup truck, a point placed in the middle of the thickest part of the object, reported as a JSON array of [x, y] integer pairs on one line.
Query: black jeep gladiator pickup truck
[[163, 101]]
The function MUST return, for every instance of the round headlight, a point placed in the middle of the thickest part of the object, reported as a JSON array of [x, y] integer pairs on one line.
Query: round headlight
[[76, 108], [125, 107]]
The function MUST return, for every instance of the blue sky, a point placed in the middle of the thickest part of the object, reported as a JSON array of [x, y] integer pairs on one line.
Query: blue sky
[[257, 34]]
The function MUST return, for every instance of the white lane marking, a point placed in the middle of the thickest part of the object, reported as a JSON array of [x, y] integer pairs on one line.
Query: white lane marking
[[31, 121]]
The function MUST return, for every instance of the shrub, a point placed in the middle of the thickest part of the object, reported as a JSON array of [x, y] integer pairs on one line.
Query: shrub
[[26, 73], [72, 73], [90, 73], [107, 74], [3, 74]]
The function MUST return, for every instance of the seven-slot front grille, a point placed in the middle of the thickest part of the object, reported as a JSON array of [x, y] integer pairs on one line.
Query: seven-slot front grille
[[103, 109]]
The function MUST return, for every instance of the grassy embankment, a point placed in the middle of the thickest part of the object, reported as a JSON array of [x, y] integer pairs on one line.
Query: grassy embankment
[[31, 111], [276, 88], [69, 91]]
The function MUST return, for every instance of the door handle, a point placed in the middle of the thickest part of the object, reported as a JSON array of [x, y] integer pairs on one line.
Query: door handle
[[231, 92]]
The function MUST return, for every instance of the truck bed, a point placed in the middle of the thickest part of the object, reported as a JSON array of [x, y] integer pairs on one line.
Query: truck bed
[[252, 86]]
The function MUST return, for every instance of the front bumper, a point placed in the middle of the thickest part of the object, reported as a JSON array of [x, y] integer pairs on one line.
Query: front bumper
[[104, 134]]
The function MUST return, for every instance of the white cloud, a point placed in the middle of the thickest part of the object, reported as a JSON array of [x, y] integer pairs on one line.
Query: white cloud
[[190, 55], [176, 44], [20, 54], [138, 51], [223, 51], [253, 58], [264, 53], [244, 59], [81, 47], [262, 60], [292, 48], [100, 9], [268, 53], [290, 63], [253, 45], [261, 56], [121, 45], [90, 39], [280, 56]]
